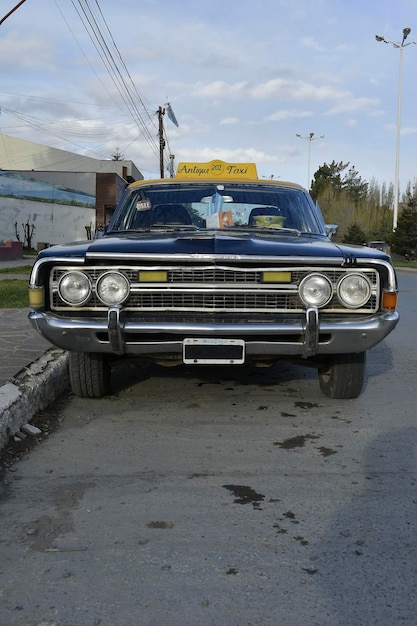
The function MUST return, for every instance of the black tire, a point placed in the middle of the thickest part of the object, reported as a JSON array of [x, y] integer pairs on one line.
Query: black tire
[[89, 374], [342, 376]]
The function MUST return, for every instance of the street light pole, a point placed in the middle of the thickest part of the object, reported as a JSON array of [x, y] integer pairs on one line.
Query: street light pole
[[400, 46], [310, 137]]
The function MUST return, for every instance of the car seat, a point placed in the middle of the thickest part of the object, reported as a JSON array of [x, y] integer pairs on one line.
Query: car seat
[[265, 211], [170, 214], [163, 214]]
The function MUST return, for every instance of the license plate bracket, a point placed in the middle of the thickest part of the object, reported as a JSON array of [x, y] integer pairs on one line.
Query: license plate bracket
[[211, 351]]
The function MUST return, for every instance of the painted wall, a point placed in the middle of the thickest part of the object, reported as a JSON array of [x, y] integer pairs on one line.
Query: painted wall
[[60, 205]]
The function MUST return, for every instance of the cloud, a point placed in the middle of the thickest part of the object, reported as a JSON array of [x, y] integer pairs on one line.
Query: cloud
[[243, 155], [310, 42], [286, 114], [219, 89], [350, 104], [25, 53], [409, 130], [229, 120], [234, 72], [285, 89]]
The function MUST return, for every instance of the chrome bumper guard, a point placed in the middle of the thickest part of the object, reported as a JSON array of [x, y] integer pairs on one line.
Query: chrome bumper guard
[[308, 337]]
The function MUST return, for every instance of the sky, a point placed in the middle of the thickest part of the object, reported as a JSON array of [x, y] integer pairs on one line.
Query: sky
[[243, 78]]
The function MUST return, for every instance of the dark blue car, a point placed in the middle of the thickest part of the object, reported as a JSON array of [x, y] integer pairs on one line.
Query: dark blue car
[[215, 266]]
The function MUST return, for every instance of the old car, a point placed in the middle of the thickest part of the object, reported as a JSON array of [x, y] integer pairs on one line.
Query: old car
[[379, 245], [215, 267]]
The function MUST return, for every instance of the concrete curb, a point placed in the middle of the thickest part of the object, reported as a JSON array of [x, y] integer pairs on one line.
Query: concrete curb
[[33, 389]]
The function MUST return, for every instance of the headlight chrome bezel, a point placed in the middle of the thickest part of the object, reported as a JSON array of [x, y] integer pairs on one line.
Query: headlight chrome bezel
[[124, 284], [346, 296], [63, 289], [309, 300]]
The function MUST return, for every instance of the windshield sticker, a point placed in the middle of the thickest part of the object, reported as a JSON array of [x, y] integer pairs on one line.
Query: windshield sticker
[[143, 205], [222, 219]]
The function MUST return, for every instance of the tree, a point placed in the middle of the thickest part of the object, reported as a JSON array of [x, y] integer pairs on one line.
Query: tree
[[355, 235], [411, 194], [328, 176], [345, 199], [334, 175], [117, 155], [28, 230], [404, 239], [356, 188]]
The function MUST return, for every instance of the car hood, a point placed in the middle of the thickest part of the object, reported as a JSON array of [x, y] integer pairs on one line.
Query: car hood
[[212, 242]]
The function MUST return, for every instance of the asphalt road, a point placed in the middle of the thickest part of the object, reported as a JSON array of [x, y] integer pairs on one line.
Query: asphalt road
[[232, 497]]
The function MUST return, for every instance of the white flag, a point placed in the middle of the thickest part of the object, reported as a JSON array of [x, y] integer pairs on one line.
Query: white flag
[[170, 113]]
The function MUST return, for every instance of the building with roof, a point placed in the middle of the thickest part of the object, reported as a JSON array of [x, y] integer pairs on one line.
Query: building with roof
[[56, 196]]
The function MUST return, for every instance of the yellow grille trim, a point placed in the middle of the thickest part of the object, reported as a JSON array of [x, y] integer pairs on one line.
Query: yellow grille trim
[[276, 277], [153, 276]]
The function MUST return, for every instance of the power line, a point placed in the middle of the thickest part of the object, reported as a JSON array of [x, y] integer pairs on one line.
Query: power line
[[67, 129], [61, 132], [84, 54], [98, 31], [121, 60], [107, 57], [12, 11]]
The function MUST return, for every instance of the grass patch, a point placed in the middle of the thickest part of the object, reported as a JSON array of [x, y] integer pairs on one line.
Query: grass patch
[[22, 269], [14, 293], [409, 264]]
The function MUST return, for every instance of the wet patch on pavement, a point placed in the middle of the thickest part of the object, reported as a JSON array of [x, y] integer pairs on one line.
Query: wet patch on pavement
[[46, 533], [295, 442], [245, 495], [306, 405], [160, 525], [326, 451]]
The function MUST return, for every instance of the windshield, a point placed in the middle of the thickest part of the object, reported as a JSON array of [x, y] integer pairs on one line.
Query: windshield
[[208, 206]]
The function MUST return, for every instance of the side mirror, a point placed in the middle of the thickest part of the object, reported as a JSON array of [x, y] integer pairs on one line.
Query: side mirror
[[331, 229]]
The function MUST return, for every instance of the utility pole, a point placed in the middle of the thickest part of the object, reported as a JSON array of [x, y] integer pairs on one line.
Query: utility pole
[[12, 11], [161, 113]]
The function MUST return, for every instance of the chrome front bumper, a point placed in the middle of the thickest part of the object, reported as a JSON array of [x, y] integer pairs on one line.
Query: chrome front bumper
[[305, 337]]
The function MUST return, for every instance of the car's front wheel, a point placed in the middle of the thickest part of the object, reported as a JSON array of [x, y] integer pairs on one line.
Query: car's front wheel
[[89, 374], [342, 375]]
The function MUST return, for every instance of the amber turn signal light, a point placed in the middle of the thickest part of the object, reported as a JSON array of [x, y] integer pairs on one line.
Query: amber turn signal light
[[389, 300], [36, 297]]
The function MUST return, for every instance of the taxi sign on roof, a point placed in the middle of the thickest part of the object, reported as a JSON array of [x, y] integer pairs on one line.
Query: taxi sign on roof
[[217, 169]]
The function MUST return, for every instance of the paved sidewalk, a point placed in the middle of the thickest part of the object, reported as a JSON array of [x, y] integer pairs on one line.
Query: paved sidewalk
[[32, 372], [20, 344]]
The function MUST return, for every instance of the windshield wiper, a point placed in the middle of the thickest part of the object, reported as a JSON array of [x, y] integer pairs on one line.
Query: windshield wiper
[[171, 227], [153, 228]]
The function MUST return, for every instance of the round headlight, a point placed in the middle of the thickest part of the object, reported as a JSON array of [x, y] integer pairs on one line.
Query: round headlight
[[112, 288], [354, 290], [74, 288], [316, 290]]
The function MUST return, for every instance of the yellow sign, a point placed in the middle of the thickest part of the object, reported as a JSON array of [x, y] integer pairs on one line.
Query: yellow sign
[[217, 169]]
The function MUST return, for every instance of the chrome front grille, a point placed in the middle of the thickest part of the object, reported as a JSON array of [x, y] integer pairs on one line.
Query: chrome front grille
[[212, 289], [214, 275], [200, 301]]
